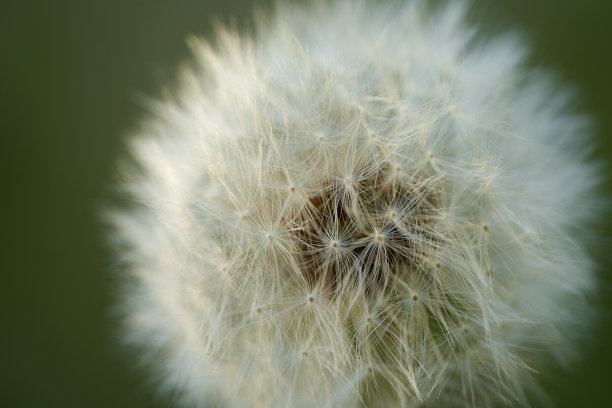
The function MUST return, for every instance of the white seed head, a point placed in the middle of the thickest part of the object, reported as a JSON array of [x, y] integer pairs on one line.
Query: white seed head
[[358, 206]]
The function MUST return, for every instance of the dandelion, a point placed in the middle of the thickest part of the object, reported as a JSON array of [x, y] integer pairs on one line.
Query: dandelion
[[359, 205]]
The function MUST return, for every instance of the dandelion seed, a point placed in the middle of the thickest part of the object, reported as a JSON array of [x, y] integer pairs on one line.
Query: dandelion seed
[[322, 186]]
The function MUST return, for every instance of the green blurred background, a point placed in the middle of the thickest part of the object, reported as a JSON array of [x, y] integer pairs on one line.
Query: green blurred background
[[72, 73]]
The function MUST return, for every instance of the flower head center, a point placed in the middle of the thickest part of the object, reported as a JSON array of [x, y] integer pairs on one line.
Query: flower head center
[[376, 243]]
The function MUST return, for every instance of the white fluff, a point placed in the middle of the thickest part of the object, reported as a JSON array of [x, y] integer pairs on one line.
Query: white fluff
[[360, 206]]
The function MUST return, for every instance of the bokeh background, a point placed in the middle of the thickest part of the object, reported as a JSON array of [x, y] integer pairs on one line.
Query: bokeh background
[[72, 74]]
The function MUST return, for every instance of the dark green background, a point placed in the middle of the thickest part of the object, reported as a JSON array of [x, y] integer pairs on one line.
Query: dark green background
[[70, 78]]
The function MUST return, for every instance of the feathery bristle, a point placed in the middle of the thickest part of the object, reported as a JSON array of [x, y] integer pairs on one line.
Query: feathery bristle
[[360, 206]]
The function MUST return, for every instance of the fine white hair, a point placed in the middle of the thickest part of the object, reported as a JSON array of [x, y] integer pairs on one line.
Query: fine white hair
[[357, 205]]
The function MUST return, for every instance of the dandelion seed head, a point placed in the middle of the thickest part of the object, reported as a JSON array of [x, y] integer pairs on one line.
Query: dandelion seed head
[[321, 207]]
